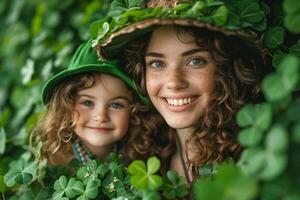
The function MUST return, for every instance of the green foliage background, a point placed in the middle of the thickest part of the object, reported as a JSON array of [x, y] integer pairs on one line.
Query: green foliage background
[[37, 38]]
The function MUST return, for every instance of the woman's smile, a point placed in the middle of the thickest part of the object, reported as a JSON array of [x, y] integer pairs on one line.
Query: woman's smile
[[180, 76]]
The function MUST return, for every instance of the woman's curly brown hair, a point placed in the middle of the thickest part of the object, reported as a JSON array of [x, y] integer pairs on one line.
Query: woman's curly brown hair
[[56, 127], [239, 65]]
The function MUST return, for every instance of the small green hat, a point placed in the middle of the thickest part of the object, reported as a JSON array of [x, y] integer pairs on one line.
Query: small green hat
[[85, 60]]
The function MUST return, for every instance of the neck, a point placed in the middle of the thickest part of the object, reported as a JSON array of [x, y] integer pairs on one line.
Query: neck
[[184, 134], [99, 152]]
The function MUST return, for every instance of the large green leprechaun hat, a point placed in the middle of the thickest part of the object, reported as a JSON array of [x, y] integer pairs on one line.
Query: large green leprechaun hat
[[132, 18], [85, 59]]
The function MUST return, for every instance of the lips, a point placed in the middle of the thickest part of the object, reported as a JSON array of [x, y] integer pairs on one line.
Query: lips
[[100, 128]]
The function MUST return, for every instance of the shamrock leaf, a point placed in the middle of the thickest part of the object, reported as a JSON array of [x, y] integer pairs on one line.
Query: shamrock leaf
[[228, 183], [21, 172], [59, 187], [174, 186], [123, 5], [280, 84], [91, 189], [274, 37], [258, 116], [35, 194], [88, 171], [141, 178], [292, 18]]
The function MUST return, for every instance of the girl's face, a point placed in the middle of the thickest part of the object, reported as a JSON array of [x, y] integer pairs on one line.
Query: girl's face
[[103, 112], [179, 76]]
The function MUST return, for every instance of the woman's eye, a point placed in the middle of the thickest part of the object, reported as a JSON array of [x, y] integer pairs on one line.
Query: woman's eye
[[117, 105], [87, 103], [196, 62], [156, 64]]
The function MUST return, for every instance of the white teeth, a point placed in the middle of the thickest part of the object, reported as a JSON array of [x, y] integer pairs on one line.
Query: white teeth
[[180, 102]]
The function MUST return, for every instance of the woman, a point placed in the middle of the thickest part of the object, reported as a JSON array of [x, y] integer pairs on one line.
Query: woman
[[197, 77]]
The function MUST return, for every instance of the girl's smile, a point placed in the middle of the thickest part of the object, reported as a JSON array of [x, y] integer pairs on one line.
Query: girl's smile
[[103, 112]]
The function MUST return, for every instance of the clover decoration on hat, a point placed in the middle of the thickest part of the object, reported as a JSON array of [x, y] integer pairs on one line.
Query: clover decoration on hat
[[243, 19], [85, 60]]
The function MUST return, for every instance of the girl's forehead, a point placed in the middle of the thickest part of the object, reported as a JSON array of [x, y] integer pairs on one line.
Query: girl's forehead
[[109, 84]]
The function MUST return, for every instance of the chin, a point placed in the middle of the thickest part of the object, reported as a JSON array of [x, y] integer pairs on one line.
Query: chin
[[179, 124]]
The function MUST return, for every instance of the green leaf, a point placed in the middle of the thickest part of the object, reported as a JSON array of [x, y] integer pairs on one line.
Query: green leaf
[[292, 22], [23, 178], [150, 195], [274, 36], [172, 176], [137, 167], [251, 12], [78, 187], [235, 183], [291, 6], [207, 189], [252, 160], [289, 71], [275, 165], [91, 190], [60, 184], [220, 16], [69, 188], [292, 18], [259, 116], [174, 186], [245, 116], [140, 182], [153, 165], [277, 139], [154, 182], [278, 56], [250, 137], [295, 49], [21, 172], [3, 186], [273, 87], [296, 133], [2, 140], [125, 4]]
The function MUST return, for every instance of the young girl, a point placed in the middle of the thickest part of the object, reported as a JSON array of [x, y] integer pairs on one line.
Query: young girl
[[197, 76], [88, 109]]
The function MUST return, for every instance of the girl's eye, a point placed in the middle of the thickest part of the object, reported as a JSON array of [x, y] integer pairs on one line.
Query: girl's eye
[[117, 105], [88, 103], [196, 62], [156, 64]]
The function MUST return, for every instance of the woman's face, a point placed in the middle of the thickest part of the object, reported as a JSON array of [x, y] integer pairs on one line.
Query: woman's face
[[179, 76]]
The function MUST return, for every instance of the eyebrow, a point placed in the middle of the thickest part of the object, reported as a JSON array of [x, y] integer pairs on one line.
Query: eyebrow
[[189, 52], [115, 98], [193, 51], [121, 97], [154, 54]]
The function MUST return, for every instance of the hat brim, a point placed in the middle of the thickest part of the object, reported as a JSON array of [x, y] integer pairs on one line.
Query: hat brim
[[50, 85], [113, 45]]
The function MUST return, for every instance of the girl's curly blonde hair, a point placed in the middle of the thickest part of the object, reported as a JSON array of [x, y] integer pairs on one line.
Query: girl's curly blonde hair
[[56, 127], [239, 64]]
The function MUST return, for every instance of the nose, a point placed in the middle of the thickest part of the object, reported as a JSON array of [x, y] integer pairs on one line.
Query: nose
[[101, 115], [176, 79]]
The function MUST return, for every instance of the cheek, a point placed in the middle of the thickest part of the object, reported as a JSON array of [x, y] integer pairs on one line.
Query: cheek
[[81, 116], [122, 120], [152, 83]]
